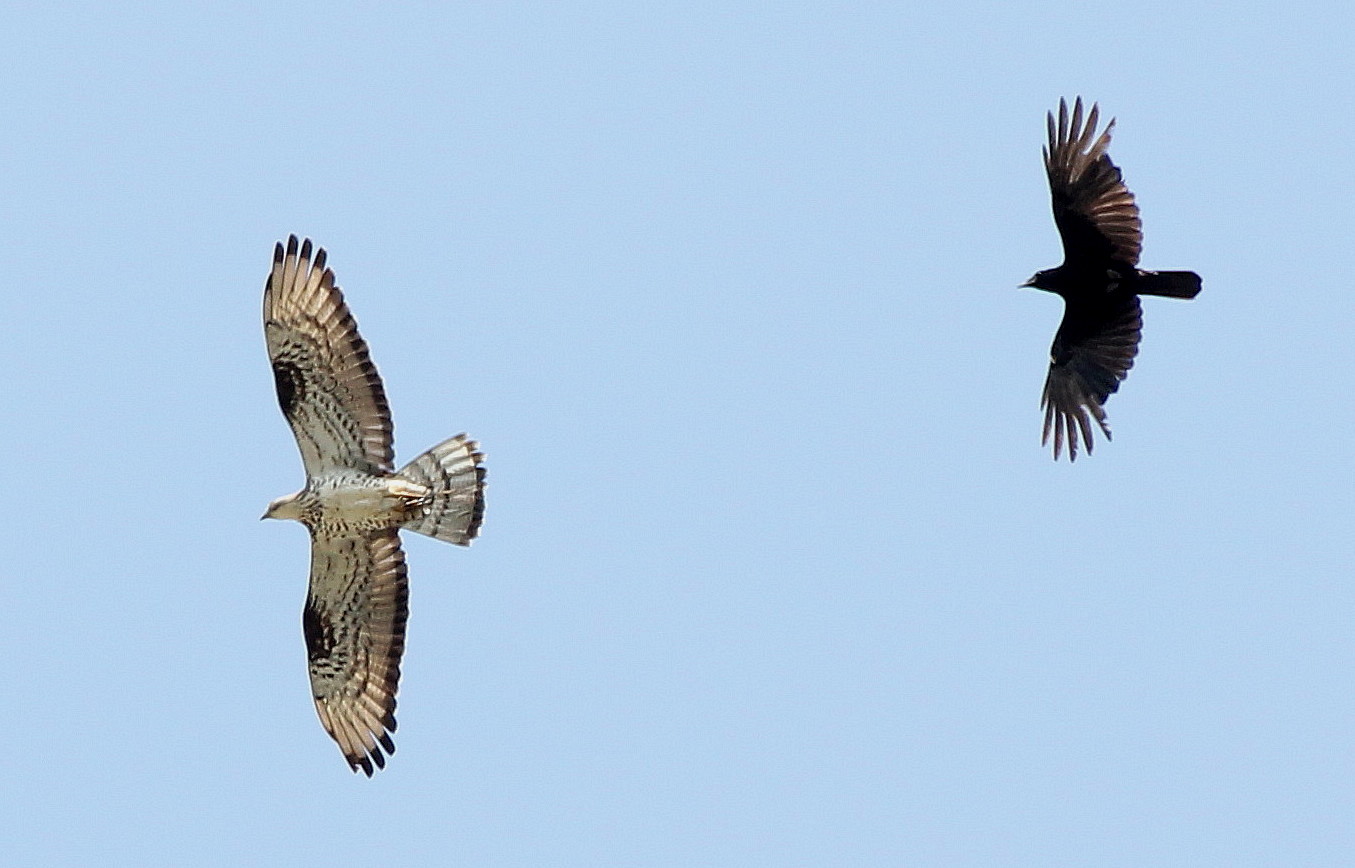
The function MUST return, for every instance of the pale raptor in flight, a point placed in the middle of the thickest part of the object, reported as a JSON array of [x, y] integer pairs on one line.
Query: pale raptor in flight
[[354, 502]]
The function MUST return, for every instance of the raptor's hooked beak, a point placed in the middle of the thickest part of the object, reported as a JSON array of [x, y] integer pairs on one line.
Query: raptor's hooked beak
[[284, 508]]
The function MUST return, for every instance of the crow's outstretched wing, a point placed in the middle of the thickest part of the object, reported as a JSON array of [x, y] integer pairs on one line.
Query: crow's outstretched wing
[[1093, 209], [1092, 352]]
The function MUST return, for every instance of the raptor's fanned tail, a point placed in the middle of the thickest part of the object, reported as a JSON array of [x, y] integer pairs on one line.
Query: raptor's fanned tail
[[456, 503]]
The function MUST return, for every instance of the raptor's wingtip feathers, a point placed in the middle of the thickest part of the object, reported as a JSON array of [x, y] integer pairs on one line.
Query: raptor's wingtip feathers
[[301, 248], [374, 758]]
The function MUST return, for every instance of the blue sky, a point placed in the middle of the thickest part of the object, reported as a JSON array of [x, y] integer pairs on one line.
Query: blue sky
[[774, 569]]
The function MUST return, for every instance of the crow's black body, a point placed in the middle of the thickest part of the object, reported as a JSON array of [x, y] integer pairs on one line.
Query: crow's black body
[[1099, 280]]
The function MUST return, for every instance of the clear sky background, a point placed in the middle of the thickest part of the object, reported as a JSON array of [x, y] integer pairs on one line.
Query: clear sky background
[[774, 569]]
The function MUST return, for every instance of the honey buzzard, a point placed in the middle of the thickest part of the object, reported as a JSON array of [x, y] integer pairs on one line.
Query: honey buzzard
[[354, 502]]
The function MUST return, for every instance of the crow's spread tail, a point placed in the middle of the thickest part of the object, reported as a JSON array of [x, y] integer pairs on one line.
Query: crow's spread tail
[[1172, 284]]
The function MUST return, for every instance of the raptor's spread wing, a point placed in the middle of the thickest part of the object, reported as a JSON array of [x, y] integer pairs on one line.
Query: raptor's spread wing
[[354, 623], [327, 385]]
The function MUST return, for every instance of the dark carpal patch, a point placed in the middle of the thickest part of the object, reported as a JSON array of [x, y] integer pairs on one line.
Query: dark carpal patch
[[319, 632], [291, 385]]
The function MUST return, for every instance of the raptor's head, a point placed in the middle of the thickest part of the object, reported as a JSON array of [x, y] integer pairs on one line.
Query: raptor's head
[[284, 507]]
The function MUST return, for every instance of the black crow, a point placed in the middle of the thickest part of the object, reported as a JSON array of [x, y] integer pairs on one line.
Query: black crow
[[1099, 280]]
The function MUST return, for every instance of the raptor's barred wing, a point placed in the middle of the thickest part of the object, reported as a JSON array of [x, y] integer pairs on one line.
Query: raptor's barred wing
[[328, 387], [354, 621]]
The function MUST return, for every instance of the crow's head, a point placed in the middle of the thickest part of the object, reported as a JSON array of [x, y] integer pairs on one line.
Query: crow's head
[[1046, 280]]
